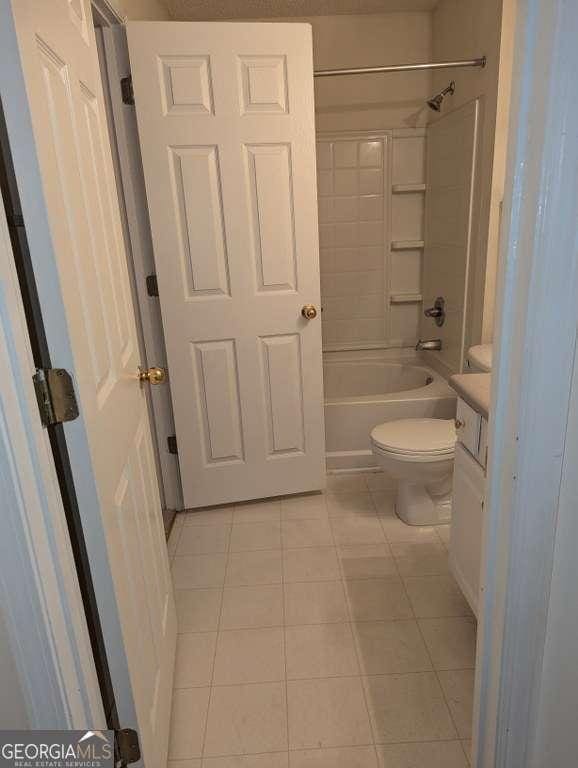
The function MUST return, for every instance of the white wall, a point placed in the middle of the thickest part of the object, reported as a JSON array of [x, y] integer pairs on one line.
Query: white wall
[[467, 29], [368, 102], [142, 10]]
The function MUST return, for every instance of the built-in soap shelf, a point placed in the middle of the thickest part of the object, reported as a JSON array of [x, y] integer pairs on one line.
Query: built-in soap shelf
[[400, 189], [405, 298], [406, 245]]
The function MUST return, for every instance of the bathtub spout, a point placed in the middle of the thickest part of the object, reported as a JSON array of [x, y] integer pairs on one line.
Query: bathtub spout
[[428, 345]]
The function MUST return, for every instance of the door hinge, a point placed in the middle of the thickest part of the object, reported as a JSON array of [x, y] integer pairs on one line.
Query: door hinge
[[172, 444], [55, 395], [152, 285], [128, 746], [126, 90]]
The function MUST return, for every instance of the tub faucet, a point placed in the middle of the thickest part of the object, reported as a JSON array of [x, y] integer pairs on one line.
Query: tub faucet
[[428, 345]]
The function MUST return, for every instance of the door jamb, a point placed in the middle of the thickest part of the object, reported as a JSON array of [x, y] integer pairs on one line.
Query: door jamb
[[535, 355]]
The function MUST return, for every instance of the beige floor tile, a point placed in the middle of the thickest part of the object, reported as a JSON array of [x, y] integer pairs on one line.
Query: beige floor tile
[[189, 714], [175, 534], [384, 502], [249, 656], [420, 559], [319, 602], [467, 747], [246, 719], [391, 646], [257, 511], [408, 708], [184, 764], [327, 713], [377, 599], [350, 505], [194, 660], [366, 561], [396, 530], [212, 516], [432, 754], [322, 650], [346, 482], [246, 537], [204, 539], [436, 596], [451, 642], [311, 507], [198, 609], [263, 567], [191, 571], [306, 533], [443, 531], [458, 687], [245, 607], [338, 757], [380, 481], [269, 760], [311, 564], [356, 530]]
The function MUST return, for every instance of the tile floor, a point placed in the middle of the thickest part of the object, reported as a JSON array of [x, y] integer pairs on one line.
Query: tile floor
[[319, 632]]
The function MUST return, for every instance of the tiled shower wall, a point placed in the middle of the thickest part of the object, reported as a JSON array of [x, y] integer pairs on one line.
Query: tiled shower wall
[[371, 199]]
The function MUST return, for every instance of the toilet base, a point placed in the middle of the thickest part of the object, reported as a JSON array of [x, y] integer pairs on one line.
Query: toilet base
[[417, 504]]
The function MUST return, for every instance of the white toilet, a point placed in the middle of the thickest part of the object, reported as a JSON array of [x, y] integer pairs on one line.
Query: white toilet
[[419, 454]]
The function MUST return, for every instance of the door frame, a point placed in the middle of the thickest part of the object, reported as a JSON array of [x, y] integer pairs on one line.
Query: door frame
[[45, 269], [47, 635], [526, 561], [129, 179]]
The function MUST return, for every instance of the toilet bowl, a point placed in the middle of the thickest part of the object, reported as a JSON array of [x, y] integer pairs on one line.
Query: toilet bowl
[[419, 455]]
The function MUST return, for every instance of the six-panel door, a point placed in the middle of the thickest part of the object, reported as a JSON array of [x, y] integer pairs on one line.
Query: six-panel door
[[226, 124]]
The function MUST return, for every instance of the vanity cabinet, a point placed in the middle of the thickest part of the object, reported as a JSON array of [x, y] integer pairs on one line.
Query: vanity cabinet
[[468, 501]]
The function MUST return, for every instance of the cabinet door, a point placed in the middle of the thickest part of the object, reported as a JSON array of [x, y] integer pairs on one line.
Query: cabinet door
[[467, 524]]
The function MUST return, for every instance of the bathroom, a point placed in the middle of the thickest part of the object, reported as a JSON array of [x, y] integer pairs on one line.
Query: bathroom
[[309, 199], [358, 615]]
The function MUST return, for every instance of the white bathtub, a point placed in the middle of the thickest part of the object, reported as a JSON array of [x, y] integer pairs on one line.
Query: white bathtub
[[365, 388]]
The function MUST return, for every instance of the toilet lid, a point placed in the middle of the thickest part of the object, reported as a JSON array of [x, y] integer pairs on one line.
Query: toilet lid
[[416, 436]]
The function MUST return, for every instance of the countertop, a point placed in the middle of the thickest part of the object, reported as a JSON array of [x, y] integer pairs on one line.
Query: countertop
[[475, 389]]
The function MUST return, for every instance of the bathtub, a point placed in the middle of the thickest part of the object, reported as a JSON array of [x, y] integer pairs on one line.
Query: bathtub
[[365, 388]]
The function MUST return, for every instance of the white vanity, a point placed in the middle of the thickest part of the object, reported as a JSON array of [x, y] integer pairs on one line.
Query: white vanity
[[469, 481]]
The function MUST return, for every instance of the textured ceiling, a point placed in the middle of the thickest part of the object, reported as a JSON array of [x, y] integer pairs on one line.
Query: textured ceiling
[[195, 10]]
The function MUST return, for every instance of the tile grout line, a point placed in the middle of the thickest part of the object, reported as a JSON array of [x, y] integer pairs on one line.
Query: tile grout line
[[284, 620], [212, 676], [435, 671], [355, 648]]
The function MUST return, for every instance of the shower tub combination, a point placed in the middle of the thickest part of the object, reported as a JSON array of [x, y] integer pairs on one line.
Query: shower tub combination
[[366, 388]]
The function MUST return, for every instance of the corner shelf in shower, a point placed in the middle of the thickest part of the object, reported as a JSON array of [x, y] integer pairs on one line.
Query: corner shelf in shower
[[405, 298], [406, 245], [400, 189]]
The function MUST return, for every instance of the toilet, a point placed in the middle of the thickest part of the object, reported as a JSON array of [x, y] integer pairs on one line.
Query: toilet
[[419, 455]]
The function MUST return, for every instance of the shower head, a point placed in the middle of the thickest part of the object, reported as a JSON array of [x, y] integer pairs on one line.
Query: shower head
[[435, 102]]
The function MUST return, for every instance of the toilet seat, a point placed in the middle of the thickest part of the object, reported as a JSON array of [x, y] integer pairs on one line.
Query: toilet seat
[[415, 439]]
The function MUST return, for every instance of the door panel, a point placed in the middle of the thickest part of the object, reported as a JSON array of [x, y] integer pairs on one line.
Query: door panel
[[226, 125], [59, 59]]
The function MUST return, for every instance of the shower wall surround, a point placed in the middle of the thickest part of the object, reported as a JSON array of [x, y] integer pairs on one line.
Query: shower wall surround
[[371, 209]]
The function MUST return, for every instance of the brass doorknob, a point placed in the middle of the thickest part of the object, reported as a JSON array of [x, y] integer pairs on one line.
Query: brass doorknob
[[154, 375], [309, 311]]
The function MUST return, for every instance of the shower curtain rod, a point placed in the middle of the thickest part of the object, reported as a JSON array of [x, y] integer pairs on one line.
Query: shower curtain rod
[[401, 67]]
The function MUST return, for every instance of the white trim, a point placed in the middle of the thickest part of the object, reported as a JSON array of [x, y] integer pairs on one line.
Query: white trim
[[534, 358], [39, 590]]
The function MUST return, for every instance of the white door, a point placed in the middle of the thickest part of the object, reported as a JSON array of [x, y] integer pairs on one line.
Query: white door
[[226, 123], [59, 60]]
